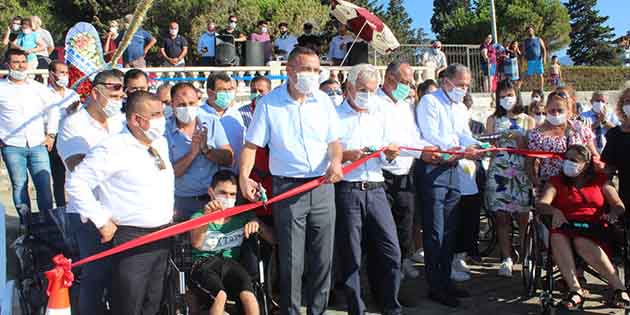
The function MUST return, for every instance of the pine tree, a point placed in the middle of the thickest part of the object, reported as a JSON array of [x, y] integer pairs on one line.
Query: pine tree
[[399, 21], [591, 40], [442, 9]]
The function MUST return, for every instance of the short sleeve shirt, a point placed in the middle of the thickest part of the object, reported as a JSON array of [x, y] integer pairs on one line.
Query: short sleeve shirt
[[225, 239], [135, 50], [174, 46]]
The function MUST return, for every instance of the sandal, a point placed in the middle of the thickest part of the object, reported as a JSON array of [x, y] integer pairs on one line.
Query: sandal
[[617, 300], [570, 303]]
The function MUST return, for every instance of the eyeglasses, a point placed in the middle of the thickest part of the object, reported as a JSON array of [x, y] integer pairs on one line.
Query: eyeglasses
[[334, 92], [110, 85], [540, 113], [158, 159]]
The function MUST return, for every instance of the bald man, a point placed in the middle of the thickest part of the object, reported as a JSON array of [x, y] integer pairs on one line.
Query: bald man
[[135, 184]]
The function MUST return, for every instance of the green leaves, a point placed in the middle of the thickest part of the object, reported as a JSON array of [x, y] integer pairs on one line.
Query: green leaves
[[591, 40]]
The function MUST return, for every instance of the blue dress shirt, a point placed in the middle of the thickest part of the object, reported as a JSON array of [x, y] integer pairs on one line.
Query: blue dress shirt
[[599, 131], [297, 134], [198, 177]]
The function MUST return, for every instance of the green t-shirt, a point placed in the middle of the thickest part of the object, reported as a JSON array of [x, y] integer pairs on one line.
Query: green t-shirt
[[223, 239]]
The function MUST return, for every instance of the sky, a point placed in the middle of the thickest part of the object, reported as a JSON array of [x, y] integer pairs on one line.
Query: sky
[[421, 11]]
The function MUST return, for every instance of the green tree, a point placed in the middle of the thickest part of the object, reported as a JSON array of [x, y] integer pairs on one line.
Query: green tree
[[399, 21], [469, 23], [591, 40]]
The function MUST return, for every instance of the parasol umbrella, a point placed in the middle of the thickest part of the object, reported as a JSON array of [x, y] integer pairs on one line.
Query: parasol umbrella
[[365, 25]]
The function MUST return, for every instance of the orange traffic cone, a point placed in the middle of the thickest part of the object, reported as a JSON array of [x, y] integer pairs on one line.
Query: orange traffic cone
[[59, 280]]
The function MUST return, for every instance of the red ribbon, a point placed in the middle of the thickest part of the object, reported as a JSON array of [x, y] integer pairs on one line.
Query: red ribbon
[[61, 276], [205, 219]]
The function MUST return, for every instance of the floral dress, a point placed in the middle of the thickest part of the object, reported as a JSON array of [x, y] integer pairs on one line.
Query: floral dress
[[508, 186], [576, 134]]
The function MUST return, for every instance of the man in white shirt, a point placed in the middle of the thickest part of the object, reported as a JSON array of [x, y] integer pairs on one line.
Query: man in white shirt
[[339, 45], [220, 104], [399, 178], [25, 138], [434, 58], [299, 124], [65, 100], [124, 186], [98, 120], [363, 215], [285, 43], [439, 186]]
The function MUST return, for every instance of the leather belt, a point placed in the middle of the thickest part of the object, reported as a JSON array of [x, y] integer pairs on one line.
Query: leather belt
[[364, 186]]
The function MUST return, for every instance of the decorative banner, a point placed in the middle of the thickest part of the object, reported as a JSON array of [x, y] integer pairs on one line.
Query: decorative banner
[[83, 48]]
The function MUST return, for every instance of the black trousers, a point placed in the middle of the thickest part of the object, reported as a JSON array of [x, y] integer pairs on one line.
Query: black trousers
[[467, 239], [58, 172], [400, 191], [138, 274]]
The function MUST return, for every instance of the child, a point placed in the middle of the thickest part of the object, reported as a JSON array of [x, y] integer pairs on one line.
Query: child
[[218, 247], [555, 74]]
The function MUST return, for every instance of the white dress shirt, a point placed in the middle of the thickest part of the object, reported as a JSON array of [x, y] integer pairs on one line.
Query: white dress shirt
[[232, 122], [436, 116], [404, 132], [60, 104], [336, 51], [286, 42], [24, 108], [132, 190], [297, 134], [360, 130]]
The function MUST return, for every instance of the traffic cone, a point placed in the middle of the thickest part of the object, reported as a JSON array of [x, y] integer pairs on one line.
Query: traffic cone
[[59, 281]]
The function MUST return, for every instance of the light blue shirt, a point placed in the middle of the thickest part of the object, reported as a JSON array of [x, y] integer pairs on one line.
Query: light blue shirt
[[297, 134], [360, 130], [198, 177], [600, 132], [206, 40], [234, 128], [438, 123]]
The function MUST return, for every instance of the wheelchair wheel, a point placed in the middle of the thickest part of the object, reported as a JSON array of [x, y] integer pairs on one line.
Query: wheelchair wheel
[[271, 282], [487, 233], [173, 300], [531, 271]]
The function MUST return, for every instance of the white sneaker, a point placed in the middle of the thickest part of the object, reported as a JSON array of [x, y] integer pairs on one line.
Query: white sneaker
[[459, 276], [506, 268], [418, 256], [409, 270], [459, 263]]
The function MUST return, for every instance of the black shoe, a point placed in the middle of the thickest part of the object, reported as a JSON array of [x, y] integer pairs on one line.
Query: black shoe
[[444, 299], [458, 293]]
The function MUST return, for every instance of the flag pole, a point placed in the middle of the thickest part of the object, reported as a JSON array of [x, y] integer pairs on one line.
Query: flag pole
[[353, 42]]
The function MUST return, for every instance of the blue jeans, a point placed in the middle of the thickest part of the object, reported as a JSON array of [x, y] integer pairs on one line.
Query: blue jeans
[[21, 161], [439, 191]]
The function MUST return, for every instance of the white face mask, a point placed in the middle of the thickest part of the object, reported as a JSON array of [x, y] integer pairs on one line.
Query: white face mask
[[536, 99], [337, 99], [307, 82], [539, 119], [232, 25], [18, 75], [362, 100], [598, 106], [186, 114], [264, 30], [508, 102], [62, 81], [572, 169], [112, 108], [457, 94], [226, 202], [27, 31], [626, 109], [113, 30], [16, 27], [557, 120], [157, 126], [173, 31]]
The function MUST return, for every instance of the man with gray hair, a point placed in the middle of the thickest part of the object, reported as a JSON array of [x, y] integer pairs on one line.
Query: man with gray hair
[[434, 58], [438, 179], [363, 215]]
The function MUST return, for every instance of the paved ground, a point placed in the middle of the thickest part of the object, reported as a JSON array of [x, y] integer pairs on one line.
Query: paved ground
[[491, 294]]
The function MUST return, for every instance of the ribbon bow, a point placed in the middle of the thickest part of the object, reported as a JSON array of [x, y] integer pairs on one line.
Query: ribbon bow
[[61, 276]]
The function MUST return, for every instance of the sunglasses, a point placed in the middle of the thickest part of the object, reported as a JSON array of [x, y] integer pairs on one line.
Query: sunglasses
[[334, 92], [559, 94], [540, 113], [159, 162], [111, 86]]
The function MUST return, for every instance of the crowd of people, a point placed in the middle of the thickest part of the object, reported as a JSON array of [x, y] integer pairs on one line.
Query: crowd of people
[[131, 162], [175, 49]]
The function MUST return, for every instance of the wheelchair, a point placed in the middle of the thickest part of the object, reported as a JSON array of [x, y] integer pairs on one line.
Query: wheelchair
[[43, 235], [179, 285], [539, 270]]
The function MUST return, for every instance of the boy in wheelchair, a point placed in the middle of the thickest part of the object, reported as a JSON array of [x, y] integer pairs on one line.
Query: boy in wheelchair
[[575, 200], [220, 269]]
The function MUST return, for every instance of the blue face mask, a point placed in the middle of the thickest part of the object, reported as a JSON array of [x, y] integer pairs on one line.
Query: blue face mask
[[401, 92], [224, 99]]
